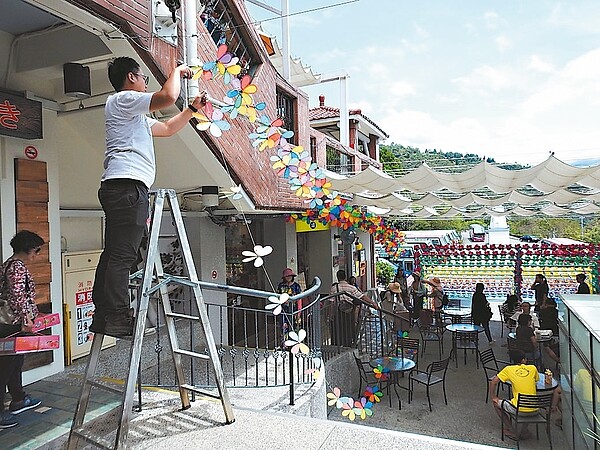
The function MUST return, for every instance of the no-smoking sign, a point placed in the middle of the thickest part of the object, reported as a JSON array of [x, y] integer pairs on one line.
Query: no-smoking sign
[[31, 152]]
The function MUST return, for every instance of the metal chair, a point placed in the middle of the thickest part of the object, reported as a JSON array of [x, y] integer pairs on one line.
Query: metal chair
[[407, 348], [504, 318], [542, 402], [365, 371], [431, 334], [514, 345], [466, 340], [491, 368], [429, 379]]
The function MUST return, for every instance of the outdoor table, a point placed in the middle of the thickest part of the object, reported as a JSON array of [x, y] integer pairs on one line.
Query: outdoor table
[[456, 313], [541, 385], [395, 365], [456, 329]]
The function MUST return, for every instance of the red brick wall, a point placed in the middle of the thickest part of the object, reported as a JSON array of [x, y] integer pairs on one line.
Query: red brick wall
[[248, 166]]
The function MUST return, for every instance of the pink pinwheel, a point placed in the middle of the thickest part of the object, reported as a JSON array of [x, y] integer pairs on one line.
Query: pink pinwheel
[[225, 65], [211, 120]]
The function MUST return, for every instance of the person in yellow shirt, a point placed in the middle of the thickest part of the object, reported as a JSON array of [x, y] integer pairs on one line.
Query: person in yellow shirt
[[523, 378]]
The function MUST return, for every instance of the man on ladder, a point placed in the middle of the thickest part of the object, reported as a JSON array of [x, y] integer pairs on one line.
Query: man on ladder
[[129, 171]]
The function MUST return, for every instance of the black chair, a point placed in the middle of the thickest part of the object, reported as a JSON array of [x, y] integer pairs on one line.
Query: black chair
[[429, 379], [505, 319], [542, 402], [431, 333], [491, 367], [465, 340], [407, 348], [365, 372]]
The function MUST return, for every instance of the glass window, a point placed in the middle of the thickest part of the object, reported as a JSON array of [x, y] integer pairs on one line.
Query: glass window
[[286, 112], [580, 336], [583, 393], [313, 149], [219, 21]]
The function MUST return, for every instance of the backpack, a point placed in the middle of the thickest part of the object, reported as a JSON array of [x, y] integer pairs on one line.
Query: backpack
[[445, 300]]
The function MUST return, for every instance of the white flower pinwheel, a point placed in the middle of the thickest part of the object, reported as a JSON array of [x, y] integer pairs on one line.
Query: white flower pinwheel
[[277, 302], [257, 254]]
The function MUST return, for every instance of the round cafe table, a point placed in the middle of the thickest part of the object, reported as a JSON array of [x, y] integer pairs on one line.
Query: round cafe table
[[456, 314], [395, 365], [463, 328]]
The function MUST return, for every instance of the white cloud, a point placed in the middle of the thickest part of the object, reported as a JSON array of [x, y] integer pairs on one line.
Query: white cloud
[[503, 43], [492, 20], [536, 63], [486, 79]]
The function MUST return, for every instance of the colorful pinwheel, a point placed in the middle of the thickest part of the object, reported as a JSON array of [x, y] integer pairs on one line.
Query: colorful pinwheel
[[373, 394], [225, 65], [362, 408], [211, 120], [381, 373]]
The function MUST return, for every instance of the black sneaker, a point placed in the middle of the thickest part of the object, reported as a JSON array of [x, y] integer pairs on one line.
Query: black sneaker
[[119, 325], [7, 420], [27, 403]]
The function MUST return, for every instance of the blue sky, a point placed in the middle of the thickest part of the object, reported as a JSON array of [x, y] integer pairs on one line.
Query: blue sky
[[512, 80]]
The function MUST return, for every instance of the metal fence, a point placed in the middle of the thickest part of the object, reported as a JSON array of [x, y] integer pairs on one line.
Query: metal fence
[[255, 346]]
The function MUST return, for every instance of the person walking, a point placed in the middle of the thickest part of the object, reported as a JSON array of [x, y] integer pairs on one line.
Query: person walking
[[129, 171], [18, 293], [481, 312]]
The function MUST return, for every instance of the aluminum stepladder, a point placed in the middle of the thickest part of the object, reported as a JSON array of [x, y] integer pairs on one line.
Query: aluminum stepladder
[[153, 279]]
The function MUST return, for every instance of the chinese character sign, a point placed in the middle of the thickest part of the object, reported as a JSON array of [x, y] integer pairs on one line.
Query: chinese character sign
[[20, 117]]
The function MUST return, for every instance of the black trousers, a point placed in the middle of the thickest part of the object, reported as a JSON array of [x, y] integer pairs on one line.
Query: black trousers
[[11, 367], [125, 204]]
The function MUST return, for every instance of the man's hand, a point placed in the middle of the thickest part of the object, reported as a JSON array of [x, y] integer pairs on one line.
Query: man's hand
[[185, 71], [200, 100]]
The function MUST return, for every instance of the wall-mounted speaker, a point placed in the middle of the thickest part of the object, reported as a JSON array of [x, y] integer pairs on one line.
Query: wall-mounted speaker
[[77, 80]]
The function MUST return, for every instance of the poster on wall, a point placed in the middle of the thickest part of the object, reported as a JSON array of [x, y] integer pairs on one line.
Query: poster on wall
[[84, 308]]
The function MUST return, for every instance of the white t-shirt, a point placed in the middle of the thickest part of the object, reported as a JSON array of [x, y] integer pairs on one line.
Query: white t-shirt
[[129, 147]]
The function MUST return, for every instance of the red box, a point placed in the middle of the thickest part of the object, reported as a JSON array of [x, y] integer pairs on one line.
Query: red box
[[44, 321], [28, 344]]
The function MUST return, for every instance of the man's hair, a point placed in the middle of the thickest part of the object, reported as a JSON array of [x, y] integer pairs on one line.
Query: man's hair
[[540, 275], [118, 69], [517, 356], [341, 275], [25, 240], [525, 304], [580, 276], [524, 319]]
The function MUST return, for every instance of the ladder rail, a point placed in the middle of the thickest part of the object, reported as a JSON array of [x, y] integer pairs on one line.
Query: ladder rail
[[153, 273], [204, 319]]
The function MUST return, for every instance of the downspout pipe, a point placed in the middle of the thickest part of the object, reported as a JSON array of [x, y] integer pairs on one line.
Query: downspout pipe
[[190, 38]]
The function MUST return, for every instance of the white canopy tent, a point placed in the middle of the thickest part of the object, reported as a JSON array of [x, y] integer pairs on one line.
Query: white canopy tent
[[552, 188]]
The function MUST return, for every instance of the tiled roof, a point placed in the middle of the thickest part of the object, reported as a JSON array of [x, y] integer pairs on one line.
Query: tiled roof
[[329, 112]]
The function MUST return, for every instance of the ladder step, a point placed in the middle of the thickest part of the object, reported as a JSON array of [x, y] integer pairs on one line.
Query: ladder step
[[192, 354], [182, 316], [92, 438], [189, 387], [104, 387]]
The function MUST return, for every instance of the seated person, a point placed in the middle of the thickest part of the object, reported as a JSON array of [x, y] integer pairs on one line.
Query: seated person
[[525, 309], [523, 378], [526, 337], [510, 306], [548, 316]]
